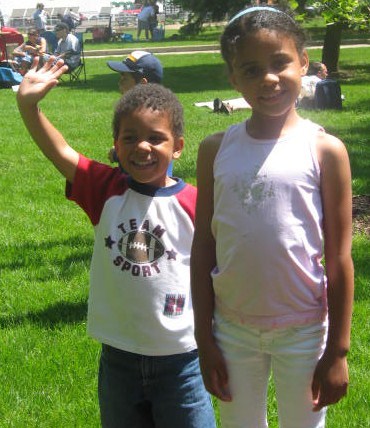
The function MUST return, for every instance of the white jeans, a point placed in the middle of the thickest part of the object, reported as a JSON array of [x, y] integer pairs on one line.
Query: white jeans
[[250, 353]]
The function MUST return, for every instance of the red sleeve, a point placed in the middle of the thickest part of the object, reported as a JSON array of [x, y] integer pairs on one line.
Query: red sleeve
[[187, 198], [93, 185]]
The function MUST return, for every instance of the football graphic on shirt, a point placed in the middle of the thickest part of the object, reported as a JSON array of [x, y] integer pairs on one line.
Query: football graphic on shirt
[[140, 247]]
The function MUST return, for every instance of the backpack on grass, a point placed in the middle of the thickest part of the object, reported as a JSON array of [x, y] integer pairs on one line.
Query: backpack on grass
[[328, 95]]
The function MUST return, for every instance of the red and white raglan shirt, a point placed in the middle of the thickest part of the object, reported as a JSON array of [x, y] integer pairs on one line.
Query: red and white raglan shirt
[[139, 298]]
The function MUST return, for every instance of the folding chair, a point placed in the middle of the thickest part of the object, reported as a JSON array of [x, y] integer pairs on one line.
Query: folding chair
[[9, 40], [75, 74], [51, 40]]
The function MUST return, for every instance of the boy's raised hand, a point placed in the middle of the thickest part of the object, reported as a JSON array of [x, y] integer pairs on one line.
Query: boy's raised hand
[[37, 83]]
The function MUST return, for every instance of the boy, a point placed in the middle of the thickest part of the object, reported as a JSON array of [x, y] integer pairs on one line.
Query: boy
[[138, 67], [139, 302]]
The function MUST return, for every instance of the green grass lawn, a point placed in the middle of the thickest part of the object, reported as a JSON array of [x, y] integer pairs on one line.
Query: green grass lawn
[[48, 365], [210, 35]]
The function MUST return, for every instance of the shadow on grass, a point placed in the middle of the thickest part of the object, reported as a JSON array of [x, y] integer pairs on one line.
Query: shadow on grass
[[53, 316], [181, 79], [40, 262], [361, 257]]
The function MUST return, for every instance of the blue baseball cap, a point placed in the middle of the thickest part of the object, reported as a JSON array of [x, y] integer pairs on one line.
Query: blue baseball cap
[[142, 62]]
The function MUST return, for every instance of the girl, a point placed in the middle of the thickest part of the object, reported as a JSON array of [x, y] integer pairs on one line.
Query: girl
[[274, 196]]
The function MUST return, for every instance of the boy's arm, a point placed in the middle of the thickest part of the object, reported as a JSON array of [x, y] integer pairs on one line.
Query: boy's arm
[[34, 87], [203, 260], [330, 380]]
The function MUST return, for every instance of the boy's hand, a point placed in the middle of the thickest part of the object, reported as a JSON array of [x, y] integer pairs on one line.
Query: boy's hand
[[330, 381], [214, 371], [37, 83]]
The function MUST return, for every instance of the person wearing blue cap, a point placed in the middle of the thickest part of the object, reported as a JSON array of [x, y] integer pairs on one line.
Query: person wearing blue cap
[[139, 67]]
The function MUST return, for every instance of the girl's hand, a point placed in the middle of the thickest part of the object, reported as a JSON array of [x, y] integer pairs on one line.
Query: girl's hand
[[214, 371], [330, 381], [37, 83]]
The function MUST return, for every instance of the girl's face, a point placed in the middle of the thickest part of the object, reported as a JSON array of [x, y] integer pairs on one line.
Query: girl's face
[[267, 71]]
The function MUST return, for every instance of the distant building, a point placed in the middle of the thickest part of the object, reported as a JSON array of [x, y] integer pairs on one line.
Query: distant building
[[171, 9]]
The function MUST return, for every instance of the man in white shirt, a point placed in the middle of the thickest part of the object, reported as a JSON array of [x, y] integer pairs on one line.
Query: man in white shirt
[[317, 71], [68, 46]]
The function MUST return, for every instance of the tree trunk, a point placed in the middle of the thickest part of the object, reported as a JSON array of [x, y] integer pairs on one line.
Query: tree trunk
[[330, 51]]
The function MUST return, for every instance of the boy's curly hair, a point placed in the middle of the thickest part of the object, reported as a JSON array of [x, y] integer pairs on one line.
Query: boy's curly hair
[[154, 97], [239, 29]]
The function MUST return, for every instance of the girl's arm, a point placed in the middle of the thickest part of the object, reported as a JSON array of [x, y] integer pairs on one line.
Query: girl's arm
[[34, 87], [330, 380], [203, 260]]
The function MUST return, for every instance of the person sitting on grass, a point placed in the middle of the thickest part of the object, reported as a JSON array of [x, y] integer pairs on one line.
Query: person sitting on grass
[[140, 305], [317, 71]]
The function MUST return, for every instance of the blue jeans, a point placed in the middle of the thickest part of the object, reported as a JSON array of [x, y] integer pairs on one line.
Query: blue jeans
[[138, 391]]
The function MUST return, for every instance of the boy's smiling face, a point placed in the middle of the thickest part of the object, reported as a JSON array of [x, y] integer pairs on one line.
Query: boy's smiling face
[[146, 145]]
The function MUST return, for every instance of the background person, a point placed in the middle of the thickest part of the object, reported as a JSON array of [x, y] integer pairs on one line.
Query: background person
[[274, 200], [140, 67], [139, 303], [23, 54], [153, 20], [40, 18], [68, 46], [143, 19], [70, 18], [317, 71]]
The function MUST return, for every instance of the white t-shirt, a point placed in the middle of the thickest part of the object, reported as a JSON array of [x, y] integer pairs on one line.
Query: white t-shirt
[[139, 297], [309, 87]]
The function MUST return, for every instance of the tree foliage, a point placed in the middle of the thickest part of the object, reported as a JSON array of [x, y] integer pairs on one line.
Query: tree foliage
[[351, 13], [216, 9], [340, 14]]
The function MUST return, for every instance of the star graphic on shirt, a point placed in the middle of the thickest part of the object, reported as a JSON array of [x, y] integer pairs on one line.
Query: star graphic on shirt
[[171, 255], [109, 242]]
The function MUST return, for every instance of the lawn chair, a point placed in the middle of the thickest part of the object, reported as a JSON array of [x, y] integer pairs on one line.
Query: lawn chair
[[80, 71], [51, 41], [8, 75], [9, 39]]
